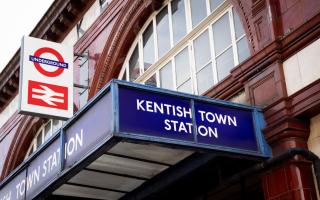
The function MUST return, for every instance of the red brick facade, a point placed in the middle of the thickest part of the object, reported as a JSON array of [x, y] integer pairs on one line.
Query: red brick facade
[[276, 29]]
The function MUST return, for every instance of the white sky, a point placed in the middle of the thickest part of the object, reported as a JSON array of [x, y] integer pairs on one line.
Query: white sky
[[18, 18]]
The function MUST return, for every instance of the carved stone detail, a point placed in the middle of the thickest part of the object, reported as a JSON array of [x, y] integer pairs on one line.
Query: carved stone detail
[[132, 15]]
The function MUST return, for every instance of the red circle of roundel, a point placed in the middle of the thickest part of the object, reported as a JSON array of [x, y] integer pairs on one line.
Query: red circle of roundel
[[39, 52]]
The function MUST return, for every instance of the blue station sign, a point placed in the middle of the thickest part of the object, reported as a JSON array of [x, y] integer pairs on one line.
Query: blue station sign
[[186, 119], [139, 113], [163, 115]]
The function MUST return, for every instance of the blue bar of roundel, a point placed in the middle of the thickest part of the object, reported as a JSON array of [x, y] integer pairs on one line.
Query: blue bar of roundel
[[34, 59]]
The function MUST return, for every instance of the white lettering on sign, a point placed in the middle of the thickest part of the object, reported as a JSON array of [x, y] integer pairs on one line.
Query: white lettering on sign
[[207, 131], [49, 165], [73, 144], [6, 196], [165, 109], [219, 118], [20, 189], [183, 112], [178, 126], [33, 177]]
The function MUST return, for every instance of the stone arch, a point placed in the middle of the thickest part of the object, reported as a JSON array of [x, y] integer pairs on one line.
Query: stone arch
[[243, 9], [127, 26], [124, 31], [20, 143]]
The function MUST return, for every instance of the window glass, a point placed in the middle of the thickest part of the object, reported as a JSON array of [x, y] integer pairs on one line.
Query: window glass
[[205, 79], [178, 20], [47, 130], [124, 76], [202, 50], [221, 34], [43, 134], [84, 72], [214, 4], [148, 47], [163, 32], [182, 66], [134, 70], [166, 78], [104, 4], [243, 49], [39, 139], [152, 81], [83, 96], [32, 149], [238, 25], [84, 81], [55, 125], [206, 56], [224, 64], [198, 11], [185, 87]]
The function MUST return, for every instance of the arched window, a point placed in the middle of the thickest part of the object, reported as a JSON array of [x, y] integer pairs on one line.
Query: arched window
[[45, 132], [188, 46]]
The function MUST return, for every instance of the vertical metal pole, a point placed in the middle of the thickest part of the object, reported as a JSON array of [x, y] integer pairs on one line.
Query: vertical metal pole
[[114, 88], [62, 153], [26, 181], [194, 122], [259, 125]]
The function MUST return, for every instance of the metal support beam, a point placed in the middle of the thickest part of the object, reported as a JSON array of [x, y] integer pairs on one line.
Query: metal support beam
[[273, 162], [80, 86], [83, 55], [164, 181], [170, 176]]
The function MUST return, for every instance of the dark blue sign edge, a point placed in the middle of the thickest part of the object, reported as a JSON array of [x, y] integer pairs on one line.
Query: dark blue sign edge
[[112, 86], [258, 120], [60, 135]]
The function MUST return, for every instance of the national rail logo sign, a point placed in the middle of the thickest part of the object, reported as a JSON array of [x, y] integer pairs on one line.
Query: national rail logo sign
[[46, 77], [48, 95]]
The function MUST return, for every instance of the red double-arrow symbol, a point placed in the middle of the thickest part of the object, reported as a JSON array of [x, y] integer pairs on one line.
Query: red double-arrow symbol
[[47, 95]]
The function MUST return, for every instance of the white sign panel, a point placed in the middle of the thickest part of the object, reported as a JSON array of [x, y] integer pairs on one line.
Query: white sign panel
[[46, 78]]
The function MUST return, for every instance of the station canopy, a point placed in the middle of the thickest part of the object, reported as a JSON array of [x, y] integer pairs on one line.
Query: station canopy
[[133, 141]]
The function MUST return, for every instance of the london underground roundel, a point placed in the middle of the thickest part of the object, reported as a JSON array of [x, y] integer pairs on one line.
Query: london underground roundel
[[55, 53]]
